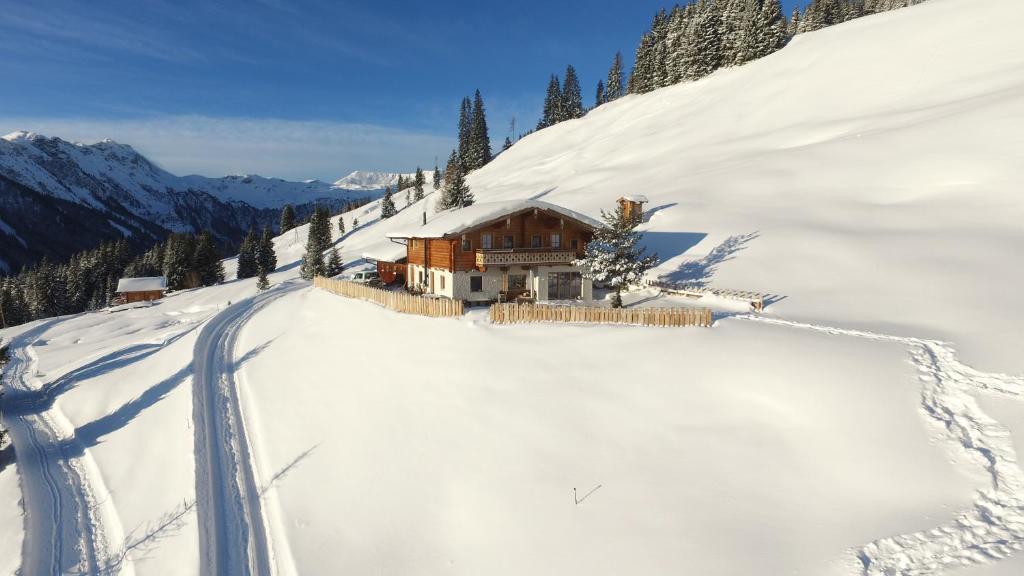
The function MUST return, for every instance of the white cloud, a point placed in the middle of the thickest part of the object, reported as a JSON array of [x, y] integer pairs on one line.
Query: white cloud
[[291, 149]]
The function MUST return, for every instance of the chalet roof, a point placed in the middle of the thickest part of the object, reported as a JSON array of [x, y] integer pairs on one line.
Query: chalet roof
[[457, 221], [146, 284], [386, 251], [635, 198]]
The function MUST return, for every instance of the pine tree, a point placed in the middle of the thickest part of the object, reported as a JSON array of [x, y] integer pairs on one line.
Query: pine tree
[[614, 257], [341, 225], [704, 49], [465, 127], [614, 88], [207, 262], [266, 257], [794, 22], [437, 177], [247, 257], [262, 282], [599, 94], [355, 223], [645, 73], [507, 144], [552, 113], [334, 265], [287, 218], [572, 100], [479, 148], [316, 242], [773, 30], [418, 181], [387, 205], [456, 193]]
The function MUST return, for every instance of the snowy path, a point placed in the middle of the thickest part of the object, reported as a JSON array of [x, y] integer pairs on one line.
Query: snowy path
[[993, 527], [232, 534], [64, 523]]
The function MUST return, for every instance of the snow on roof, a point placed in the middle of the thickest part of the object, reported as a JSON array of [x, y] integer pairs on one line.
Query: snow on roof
[[634, 198], [456, 221], [386, 251], [145, 284]]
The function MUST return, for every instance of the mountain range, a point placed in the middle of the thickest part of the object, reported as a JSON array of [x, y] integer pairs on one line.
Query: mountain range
[[108, 190]]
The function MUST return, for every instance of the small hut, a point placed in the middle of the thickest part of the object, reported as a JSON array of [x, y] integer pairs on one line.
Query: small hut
[[141, 289], [633, 206]]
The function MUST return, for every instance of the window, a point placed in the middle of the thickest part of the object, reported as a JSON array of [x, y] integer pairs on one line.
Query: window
[[486, 241], [556, 240], [421, 276], [442, 281], [535, 241], [467, 244], [564, 285], [517, 281], [476, 283], [510, 242], [574, 244]]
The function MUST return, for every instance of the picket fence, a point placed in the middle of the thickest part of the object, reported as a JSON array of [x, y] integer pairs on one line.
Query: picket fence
[[516, 313], [397, 301]]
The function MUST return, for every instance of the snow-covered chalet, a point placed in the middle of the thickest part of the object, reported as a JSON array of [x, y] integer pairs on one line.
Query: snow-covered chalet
[[493, 251]]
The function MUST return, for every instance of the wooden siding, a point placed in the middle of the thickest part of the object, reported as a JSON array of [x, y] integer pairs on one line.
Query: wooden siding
[[431, 252], [447, 253], [143, 296]]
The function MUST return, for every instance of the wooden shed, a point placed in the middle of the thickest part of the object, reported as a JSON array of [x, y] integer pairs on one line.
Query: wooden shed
[[633, 206], [141, 289]]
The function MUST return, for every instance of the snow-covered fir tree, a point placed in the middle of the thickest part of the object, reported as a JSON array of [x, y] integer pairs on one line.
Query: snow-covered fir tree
[[287, 218], [614, 257], [507, 144], [437, 176], [599, 93], [552, 113], [266, 257], [572, 98], [615, 87], [465, 126], [262, 282], [387, 205], [455, 193], [341, 225], [318, 239], [479, 147], [248, 266], [334, 265], [207, 262], [418, 181]]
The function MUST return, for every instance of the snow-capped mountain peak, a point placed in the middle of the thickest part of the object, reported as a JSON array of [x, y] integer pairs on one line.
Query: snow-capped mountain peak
[[367, 180]]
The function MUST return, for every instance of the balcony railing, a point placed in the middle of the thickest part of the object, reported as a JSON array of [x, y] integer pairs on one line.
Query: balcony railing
[[524, 256]]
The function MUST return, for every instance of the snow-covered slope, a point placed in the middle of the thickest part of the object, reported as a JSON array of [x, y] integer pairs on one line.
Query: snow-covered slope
[[871, 182]]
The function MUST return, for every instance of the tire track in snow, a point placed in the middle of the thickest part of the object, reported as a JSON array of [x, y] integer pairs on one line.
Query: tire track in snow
[[232, 530], [993, 527], [64, 531]]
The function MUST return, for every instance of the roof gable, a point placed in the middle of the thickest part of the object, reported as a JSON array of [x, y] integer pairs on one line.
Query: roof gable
[[456, 222]]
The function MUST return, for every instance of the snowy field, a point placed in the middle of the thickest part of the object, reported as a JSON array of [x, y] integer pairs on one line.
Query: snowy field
[[871, 182]]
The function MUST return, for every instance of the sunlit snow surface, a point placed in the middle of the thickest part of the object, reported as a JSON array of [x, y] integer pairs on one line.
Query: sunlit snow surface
[[868, 176]]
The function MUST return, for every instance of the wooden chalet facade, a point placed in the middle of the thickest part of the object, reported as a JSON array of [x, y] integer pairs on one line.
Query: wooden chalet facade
[[499, 251]]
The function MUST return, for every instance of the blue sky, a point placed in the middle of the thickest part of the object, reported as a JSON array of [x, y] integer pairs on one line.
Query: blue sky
[[310, 89]]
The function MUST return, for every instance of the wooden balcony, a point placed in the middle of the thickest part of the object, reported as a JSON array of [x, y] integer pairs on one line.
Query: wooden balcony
[[524, 257]]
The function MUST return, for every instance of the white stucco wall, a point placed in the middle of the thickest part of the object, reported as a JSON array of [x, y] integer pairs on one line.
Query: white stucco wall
[[456, 285]]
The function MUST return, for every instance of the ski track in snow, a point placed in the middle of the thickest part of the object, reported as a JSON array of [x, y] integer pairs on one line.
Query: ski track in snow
[[232, 529], [993, 527], [66, 527]]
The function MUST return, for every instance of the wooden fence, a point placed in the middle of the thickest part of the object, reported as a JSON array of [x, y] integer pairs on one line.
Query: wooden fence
[[516, 313], [756, 299], [397, 301]]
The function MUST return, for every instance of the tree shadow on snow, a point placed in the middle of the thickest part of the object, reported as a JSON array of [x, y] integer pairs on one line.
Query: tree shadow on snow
[[699, 272], [21, 402], [668, 245]]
